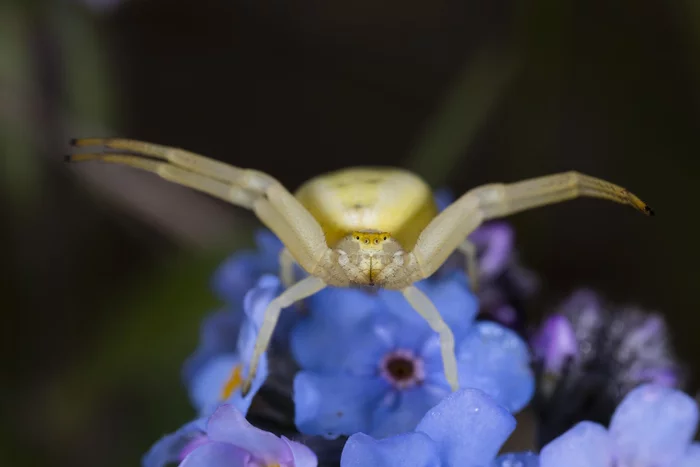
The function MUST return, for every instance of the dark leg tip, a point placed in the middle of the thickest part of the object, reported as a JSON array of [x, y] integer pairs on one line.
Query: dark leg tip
[[67, 158], [649, 211], [73, 141]]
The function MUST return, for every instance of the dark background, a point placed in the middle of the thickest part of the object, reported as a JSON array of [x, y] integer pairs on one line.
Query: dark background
[[105, 270]]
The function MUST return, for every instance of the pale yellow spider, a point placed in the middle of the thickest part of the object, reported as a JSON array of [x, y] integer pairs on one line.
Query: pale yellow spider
[[358, 226]]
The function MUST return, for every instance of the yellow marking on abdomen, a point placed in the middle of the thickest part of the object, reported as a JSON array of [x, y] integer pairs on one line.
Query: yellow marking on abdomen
[[370, 199]]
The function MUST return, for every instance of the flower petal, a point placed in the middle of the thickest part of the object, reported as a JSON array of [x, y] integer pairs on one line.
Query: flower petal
[[216, 455], [170, 447], [653, 425], [494, 241], [496, 360], [520, 459], [468, 428], [555, 343], [342, 306], [321, 345], [239, 272], [257, 298], [217, 335], [585, 445], [406, 450], [457, 305], [235, 276], [228, 425], [451, 296], [333, 405], [269, 249], [219, 382], [401, 411], [691, 457], [303, 456]]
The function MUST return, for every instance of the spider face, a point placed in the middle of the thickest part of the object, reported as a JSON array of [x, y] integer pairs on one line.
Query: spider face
[[370, 258]]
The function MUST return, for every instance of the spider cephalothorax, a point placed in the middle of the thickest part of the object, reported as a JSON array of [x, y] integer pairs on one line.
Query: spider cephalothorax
[[358, 226]]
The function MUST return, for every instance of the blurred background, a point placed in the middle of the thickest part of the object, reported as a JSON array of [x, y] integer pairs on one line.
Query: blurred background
[[106, 270]]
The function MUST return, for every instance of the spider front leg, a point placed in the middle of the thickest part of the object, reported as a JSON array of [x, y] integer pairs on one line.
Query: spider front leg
[[448, 230], [263, 194]]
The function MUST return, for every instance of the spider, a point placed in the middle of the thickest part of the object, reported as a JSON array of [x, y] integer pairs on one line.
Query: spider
[[365, 226]]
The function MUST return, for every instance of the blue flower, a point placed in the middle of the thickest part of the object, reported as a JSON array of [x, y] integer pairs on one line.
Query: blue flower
[[240, 272], [652, 427], [370, 363], [174, 447], [466, 429], [215, 372], [225, 440]]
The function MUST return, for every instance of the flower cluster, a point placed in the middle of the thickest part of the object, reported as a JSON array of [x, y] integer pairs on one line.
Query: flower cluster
[[362, 364], [589, 354], [370, 363]]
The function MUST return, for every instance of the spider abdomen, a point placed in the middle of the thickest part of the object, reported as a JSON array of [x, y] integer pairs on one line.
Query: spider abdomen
[[369, 199]]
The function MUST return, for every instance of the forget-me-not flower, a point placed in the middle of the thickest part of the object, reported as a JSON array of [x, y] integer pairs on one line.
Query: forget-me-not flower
[[240, 272], [466, 429], [371, 363], [652, 427], [215, 373], [226, 439]]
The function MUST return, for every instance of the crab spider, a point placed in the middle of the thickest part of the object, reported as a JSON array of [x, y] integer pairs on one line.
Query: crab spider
[[358, 226]]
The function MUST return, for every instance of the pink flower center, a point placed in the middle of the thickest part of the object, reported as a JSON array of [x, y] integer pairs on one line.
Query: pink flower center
[[402, 368]]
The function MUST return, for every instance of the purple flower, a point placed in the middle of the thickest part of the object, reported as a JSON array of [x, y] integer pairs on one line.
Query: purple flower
[[226, 440], [215, 373], [590, 354], [652, 427], [466, 429], [370, 363]]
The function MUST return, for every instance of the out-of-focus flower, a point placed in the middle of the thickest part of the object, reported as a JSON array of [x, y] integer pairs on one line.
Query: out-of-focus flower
[[652, 427], [215, 372], [227, 439], [505, 285], [173, 448], [590, 355], [370, 363], [241, 271], [466, 429]]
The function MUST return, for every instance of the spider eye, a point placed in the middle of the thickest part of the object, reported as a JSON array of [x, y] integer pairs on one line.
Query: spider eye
[[384, 238], [376, 242], [357, 238], [366, 241]]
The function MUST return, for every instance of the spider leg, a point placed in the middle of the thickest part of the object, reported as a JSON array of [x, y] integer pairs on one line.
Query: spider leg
[[286, 268], [447, 231], [468, 249], [302, 289], [264, 195], [422, 304]]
